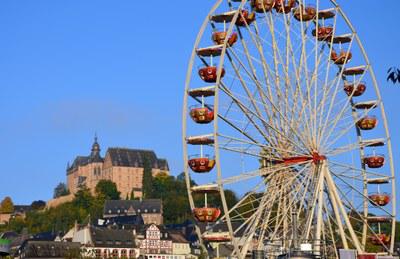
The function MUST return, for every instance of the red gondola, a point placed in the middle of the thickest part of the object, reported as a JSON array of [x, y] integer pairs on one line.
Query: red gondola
[[379, 199], [202, 115], [201, 164], [206, 214], [284, 6], [305, 14], [367, 123], [245, 18], [374, 161], [358, 89], [380, 239], [260, 6], [220, 36], [324, 33], [209, 74], [342, 58]]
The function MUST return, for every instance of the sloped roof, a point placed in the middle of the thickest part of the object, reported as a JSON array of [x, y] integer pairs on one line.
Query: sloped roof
[[85, 160], [118, 238], [128, 207], [177, 237], [48, 249], [126, 157]]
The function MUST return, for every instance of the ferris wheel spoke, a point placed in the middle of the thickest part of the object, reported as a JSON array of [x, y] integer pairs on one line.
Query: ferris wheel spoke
[[276, 109], [349, 203], [294, 192], [289, 52], [343, 132], [247, 90], [262, 146], [247, 110], [326, 81], [340, 113], [351, 167], [343, 149], [258, 86], [359, 217]]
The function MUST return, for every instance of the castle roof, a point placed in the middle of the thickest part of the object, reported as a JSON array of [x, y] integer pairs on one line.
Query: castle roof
[[127, 157], [124, 157]]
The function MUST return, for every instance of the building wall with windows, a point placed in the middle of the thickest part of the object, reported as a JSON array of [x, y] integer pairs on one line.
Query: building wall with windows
[[123, 166]]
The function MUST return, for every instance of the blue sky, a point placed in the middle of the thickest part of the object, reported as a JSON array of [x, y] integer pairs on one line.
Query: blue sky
[[71, 68]]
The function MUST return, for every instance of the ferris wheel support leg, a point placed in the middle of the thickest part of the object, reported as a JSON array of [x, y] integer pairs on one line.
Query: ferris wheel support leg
[[337, 216], [317, 243], [333, 190]]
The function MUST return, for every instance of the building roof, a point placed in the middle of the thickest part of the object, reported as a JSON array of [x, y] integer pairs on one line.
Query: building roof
[[84, 160], [48, 249], [125, 222], [118, 238], [177, 237], [22, 208], [131, 207], [126, 157]]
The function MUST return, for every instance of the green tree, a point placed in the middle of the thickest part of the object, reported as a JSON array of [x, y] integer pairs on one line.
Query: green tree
[[107, 190], [38, 205], [132, 196], [7, 205], [83, 198], [147, 185], [17, 224], [60, 190]]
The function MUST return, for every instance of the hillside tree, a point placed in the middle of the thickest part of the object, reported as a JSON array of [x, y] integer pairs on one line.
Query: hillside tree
[[7, 205], [147, 185]]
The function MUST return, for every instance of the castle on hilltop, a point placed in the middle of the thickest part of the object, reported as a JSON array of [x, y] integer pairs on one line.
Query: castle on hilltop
[[123, 166]]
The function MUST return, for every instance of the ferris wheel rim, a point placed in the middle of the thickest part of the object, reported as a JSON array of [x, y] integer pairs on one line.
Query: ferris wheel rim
[[216, 133]]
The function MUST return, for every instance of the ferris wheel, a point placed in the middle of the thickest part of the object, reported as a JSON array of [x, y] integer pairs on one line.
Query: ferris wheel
[[282, 107]]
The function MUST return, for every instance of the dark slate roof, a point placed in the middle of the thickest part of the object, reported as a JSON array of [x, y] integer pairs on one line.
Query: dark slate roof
[[22, 208], [134, 207], [118, 238], [84, 160], [177, 237], [48, 249], [126, 157], [124, 221]]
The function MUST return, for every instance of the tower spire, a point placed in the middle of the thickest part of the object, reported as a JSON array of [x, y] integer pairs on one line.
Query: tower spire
[[95, 148]]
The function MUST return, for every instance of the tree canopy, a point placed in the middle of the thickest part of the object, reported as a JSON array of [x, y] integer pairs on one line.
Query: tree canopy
[[147, 178], [38, 205], [107, 190], [7, 205]]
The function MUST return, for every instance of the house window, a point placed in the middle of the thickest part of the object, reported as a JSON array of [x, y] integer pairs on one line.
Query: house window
[[98, 253], [132, 254], [106, 253], [115, 252], [123, 253]]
